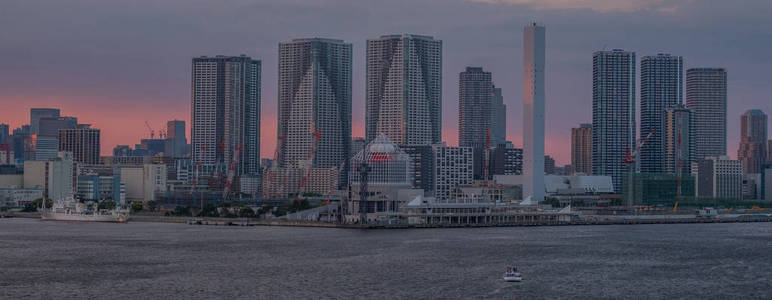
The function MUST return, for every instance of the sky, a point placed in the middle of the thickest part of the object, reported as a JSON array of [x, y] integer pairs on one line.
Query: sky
[[116, 64]]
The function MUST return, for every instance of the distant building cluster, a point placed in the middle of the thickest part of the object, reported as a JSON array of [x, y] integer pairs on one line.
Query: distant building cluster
[[675, 150]]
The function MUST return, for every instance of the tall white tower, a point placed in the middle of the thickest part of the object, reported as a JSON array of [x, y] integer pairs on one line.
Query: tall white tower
[[533, 111]]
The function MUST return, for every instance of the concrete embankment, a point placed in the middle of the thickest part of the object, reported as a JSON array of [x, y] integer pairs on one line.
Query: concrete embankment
[[618, 221], [594, 220]]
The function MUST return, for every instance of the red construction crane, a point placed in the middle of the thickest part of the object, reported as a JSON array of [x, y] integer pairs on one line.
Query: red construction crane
[[486, 154], [152, 132], [629, 159], [231, 173], [332, 188], [274, 169], [679, 156], [317, 133], [196, 174]]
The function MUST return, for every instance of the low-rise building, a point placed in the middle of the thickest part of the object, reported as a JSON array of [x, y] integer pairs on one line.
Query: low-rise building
[[278, 183], [505, 159], [661, 188], [98, 188], [145, 182], [389, 180], [18, 197], [719, 177], [752, 186], [56, 177]]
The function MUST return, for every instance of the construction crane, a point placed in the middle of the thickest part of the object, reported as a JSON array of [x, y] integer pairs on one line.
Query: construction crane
[[332, 188], [152, 132], [486, 155], [195, 177], [629, 159], [679, 156], [317, 134], [274, 169], [231, 173]]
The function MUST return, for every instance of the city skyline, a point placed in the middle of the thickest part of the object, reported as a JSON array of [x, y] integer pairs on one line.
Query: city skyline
[[100, 98]]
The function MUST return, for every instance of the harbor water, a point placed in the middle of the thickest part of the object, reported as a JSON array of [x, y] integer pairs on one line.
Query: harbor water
[[142, 260]]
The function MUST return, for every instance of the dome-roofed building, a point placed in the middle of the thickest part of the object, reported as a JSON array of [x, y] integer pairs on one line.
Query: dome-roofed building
[[389, 181]]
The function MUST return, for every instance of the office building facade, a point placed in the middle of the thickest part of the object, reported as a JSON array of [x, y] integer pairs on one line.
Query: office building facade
[[83, 142], [36, 113], [176, 140]]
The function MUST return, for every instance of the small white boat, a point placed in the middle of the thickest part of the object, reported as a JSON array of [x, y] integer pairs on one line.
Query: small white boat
[[512, 275]]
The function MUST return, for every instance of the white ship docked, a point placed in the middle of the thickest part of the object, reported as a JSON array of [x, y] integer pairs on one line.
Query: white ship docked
[[71, 210]]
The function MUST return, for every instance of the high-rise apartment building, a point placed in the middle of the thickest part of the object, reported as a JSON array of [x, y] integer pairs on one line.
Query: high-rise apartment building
[[581, 149], [498, 117], [404, 89], [36, 113], [225, 113], [678, 138], [706, 95], [662, 78], [613, 112], [314, 97], [83, 142], [534, 44], [753, 141], [475, 91]]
